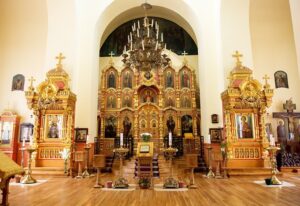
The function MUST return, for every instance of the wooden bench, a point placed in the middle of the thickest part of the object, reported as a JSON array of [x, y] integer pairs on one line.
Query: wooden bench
[[8, 169]]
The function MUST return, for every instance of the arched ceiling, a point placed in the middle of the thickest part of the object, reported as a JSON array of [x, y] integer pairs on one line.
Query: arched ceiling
[[138, 12]]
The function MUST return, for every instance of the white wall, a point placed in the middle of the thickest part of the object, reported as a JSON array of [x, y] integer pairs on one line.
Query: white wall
[[23, 37], [235, 34], [295, 8], [274, 49], [33, 32]]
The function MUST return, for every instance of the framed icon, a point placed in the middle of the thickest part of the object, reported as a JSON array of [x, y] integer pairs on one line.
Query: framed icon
[[81, 134], [214, 118], [215, 134]]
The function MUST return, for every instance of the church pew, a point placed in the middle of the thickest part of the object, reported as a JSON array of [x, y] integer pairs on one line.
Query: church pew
[[8, 169]]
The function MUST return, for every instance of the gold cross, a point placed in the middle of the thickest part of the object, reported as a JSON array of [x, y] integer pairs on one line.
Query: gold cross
[[111, 62], [184, 53], [266, 79], [31, 81], [111, 54], [237, 55], [60, 57]]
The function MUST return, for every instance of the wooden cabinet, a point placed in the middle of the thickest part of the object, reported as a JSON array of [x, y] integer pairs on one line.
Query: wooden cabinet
[[9, 133]]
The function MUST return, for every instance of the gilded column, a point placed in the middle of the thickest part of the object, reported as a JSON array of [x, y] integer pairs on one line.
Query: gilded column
[[265, 141], [136, 128], [195, 126], [118, 125], [161, 131], [178, 126], [102, 126]]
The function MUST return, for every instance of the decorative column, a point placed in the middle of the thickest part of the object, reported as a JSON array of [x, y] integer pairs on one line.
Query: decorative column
[[195, 125], [178, 125], [161, 131], [102, 126]]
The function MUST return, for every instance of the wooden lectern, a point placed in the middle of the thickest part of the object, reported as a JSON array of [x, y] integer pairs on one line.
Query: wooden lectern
[[192, 162], [79, 159], [99, 162]]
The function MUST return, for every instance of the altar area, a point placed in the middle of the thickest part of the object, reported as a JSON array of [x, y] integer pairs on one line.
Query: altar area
[[156, 102]]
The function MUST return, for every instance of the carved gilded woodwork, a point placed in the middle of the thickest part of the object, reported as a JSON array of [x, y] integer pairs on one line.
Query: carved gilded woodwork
[[244, 104], [53, 106], [148, 99]]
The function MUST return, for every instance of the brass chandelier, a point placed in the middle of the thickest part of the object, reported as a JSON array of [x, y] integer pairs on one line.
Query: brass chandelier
[[145, 46]]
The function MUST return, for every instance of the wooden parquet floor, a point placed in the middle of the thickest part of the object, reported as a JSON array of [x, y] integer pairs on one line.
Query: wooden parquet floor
[[239, 191]]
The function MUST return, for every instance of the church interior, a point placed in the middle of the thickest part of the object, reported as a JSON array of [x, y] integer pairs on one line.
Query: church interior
[[149, 102]]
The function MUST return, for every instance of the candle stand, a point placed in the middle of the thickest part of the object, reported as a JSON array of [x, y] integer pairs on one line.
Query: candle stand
[[22, 149], [272, 151], [210, 173], [224, 155], [28, 179], [121, 182], [171, 182], [87, 155]]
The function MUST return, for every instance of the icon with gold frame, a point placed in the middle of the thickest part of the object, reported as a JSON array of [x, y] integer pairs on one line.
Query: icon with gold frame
[[53, 126]]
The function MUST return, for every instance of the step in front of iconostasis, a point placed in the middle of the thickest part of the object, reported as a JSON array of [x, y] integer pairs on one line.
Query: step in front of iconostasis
[[249, 171], [155, 167], [50, 171]]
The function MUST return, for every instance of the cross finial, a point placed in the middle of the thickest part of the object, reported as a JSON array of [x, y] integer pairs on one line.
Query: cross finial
[[185, 62], [184, 53], [31, 80], [60, 57], [266, 79], [111, 54], [111, 60], [237, 55]]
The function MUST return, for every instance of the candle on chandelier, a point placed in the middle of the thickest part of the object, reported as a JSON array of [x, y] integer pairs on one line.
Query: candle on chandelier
[[130, 46], [170, 139], [162, 37], [134, 26], [148, 32], [138, 24], [152, 22], [121, 139], [138, 33], [156, 45], [124, 51]]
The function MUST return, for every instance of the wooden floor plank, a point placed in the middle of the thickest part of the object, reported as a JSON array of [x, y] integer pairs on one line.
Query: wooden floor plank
[[237, 191]]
